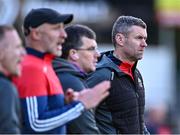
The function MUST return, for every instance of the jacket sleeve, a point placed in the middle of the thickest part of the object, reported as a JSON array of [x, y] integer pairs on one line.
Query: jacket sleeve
[[69, 81], [86, 122], [40, 118], [38, 114], [98, 76], [9, 110], [103, 116], [111, 101]]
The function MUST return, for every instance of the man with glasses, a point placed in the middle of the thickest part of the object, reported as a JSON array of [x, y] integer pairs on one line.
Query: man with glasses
[[79, 57]]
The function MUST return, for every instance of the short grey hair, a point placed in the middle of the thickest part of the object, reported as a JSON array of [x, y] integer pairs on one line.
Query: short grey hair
[[123, 25]]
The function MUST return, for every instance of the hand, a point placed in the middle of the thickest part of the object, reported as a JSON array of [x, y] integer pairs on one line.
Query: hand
[[71, 95], [92, 97]]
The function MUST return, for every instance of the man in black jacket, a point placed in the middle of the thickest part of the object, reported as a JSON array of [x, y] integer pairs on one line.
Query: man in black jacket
[[11, 52], [122, 112], [79, 57]]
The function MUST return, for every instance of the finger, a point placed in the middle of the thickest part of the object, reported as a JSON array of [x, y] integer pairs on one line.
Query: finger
[[75, 95], [104, 95], [103, 86], [69, 92]]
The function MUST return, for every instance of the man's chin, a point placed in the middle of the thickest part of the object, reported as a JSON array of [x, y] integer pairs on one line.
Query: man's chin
[[57, 54], [17, 73], [92, 70]]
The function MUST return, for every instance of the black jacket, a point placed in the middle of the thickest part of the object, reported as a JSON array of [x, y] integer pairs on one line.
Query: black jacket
[[122, 111], [9, 107], [72, 77]]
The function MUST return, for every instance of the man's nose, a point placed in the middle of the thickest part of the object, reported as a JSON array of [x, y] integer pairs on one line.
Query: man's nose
[[63, 33], [97, 53]]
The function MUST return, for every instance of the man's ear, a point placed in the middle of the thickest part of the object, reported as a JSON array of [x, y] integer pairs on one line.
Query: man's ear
[[35, 33], [73, 55], [120, 39]]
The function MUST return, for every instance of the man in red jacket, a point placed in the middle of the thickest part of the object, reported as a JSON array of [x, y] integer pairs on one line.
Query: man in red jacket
[[41, 94]]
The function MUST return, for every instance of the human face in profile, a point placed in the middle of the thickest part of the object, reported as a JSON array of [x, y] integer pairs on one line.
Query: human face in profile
[[13, 53], [52, 38], [88, 54], [134, 44]]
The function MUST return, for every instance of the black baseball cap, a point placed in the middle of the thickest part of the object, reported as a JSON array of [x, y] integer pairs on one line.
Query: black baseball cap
[[39, 16]]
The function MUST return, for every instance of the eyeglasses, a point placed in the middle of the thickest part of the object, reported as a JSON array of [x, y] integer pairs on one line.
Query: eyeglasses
[[93, 49]]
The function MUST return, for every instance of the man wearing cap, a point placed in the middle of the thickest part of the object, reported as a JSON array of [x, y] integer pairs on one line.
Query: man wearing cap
[[40, 91]]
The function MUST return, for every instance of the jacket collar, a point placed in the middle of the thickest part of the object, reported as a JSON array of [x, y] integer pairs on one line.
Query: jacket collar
[[62, 65], [2, 75], [35, 52]]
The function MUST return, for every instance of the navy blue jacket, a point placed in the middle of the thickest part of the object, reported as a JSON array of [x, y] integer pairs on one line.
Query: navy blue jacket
[[42, 97], [72, 77]]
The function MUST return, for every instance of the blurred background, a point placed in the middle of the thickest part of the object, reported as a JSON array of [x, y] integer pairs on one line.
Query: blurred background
[[160, 66]]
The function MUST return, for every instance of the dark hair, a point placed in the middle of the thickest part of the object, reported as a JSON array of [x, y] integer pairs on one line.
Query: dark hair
[[74, 37], [3, 29], [123, 25]]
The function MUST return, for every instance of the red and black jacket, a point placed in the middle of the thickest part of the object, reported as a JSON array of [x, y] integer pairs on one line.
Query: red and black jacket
[[122, 111], [42, 97]]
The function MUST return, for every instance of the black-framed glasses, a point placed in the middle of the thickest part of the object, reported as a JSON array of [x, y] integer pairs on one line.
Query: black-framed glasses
[[93, 49]]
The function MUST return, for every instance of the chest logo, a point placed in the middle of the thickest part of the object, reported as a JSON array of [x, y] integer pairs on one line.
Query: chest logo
[[45, 69]]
